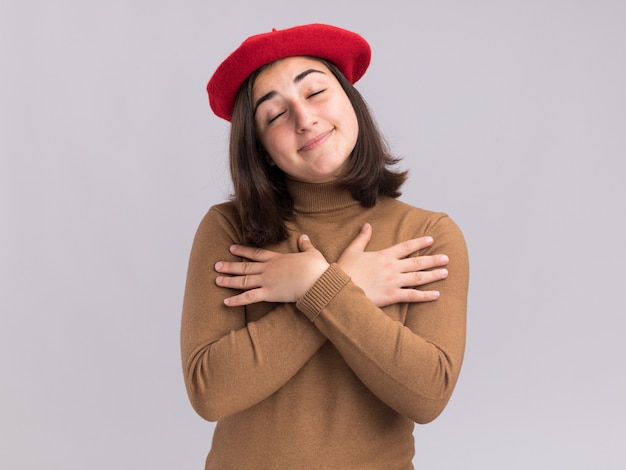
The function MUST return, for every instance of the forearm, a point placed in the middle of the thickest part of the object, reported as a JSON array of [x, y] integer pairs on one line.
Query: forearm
[[406, 371], [233, 358], [407, 355], [246, 365]]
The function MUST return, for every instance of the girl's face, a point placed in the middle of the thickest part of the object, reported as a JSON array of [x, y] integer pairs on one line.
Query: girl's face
[[304, 119]]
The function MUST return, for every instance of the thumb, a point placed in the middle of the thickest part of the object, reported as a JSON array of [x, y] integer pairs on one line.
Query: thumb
[[361, 240], [305, 244]]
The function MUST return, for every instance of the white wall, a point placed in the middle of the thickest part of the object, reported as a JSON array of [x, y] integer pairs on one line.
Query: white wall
[[510, 115]]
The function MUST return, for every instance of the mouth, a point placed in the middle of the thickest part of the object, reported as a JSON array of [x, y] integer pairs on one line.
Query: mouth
[[316, 141]]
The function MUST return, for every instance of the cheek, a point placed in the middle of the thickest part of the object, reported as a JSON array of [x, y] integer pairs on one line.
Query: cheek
[[353, 129], [269, 142], [266, 138], [275, 144], [350, 120]]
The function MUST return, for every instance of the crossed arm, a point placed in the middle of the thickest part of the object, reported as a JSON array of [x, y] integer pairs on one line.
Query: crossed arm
[[231, 364]]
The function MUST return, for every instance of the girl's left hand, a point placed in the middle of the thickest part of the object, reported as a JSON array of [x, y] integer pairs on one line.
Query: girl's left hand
[[271, 276]]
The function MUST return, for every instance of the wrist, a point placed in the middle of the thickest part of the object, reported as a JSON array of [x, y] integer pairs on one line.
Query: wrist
[[327, 286]]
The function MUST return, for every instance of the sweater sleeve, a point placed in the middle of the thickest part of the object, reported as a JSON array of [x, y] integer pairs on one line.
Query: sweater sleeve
[[231, 363], [412, 366]]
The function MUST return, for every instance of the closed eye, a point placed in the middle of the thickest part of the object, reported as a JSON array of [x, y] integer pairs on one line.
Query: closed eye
[[316, 93], [275, 117]]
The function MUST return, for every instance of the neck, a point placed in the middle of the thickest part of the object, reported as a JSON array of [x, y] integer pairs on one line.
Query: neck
[[318, 197]]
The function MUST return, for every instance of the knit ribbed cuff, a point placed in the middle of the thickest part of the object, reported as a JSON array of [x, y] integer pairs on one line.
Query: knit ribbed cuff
[[323, 291]]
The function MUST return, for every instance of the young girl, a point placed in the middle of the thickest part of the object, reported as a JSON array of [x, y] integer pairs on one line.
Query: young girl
[[307, 333]]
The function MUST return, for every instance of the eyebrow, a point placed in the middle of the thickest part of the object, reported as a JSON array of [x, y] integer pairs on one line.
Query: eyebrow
[[272, 93]]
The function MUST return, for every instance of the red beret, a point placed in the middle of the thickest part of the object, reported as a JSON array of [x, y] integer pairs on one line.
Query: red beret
[[347, 50]]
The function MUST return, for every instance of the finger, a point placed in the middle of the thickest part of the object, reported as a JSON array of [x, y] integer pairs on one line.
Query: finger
[[421, 278], [408, 247], [305, 244], [415, 295], [239, 268], [239, 282], [246, 298], [252, 253], [361, 240], [422, 263]]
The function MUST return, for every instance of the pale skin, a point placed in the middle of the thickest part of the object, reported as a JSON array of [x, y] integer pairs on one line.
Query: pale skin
[[383, 275], [308, 127]]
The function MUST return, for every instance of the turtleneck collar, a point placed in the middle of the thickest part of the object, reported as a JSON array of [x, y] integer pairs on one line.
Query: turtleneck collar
[[319, 197]]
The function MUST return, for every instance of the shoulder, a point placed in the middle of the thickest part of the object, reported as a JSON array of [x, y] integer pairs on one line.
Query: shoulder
[[226, 210], [414, 216], [408, 221], [221, 218]]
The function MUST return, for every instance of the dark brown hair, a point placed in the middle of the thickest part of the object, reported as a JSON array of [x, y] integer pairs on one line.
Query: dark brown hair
[[260, 192]]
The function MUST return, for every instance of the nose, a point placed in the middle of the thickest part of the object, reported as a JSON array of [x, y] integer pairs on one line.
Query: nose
[[304, 117]]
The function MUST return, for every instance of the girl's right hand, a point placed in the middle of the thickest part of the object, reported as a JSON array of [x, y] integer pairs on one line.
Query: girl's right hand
[[269, 276]]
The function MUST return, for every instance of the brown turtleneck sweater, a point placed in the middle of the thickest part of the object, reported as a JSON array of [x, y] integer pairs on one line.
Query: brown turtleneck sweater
[[331, 382]]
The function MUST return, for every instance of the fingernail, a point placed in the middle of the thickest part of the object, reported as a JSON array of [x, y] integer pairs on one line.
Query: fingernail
[[429, 239], [219, 265], [304, 237], [443, 272], [444, 259], [226, 301], [232, 248], [219, 279]]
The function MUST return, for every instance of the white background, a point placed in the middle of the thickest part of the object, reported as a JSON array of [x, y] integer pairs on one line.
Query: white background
[[510, 116]]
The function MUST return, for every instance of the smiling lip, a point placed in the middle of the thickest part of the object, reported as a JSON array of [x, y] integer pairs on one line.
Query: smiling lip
[[316, 141]]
